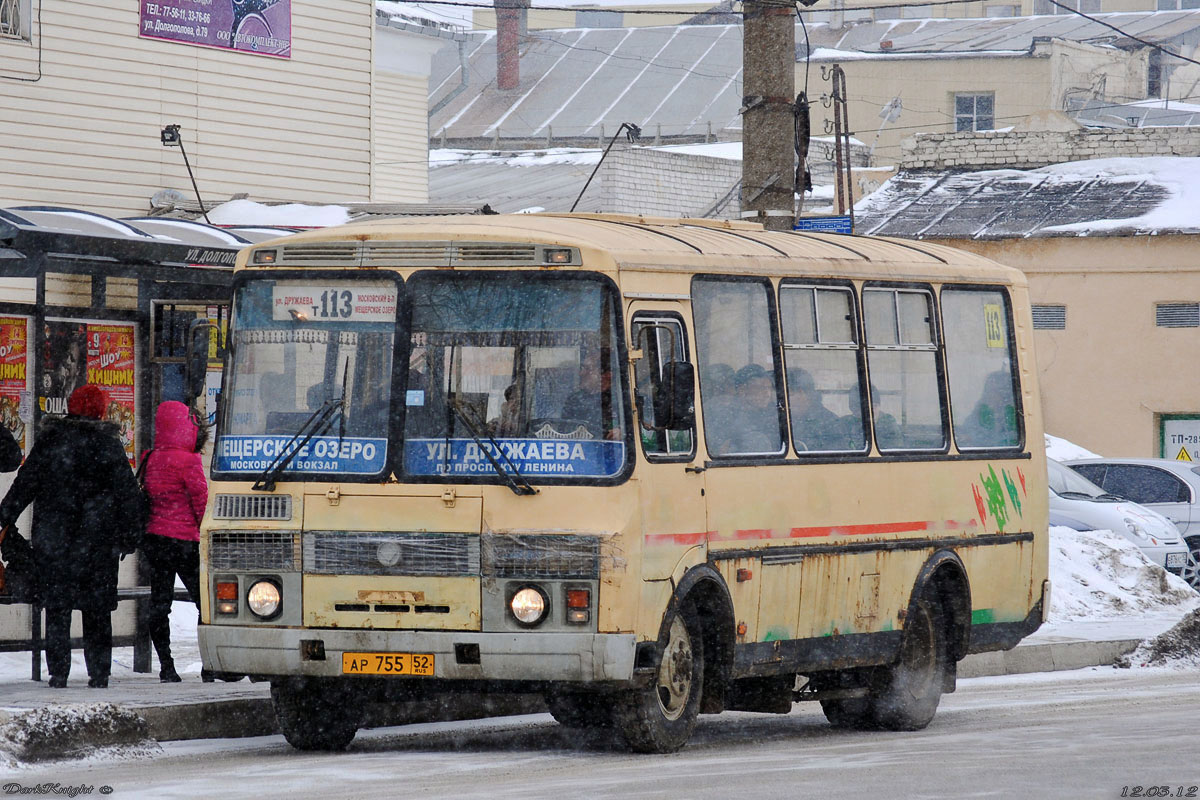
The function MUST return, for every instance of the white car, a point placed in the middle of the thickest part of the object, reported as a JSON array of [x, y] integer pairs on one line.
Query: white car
[[1078, 503]]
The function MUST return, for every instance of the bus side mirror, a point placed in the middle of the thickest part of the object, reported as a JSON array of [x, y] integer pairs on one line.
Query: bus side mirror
[[675, 399], [195, 365]]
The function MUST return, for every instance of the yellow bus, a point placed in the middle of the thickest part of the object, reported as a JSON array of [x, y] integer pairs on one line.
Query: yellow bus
[[649, 468]]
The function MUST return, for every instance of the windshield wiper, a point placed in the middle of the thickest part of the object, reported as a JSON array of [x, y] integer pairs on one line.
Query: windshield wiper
[[1079, 495], [317, 423], [515, 480]]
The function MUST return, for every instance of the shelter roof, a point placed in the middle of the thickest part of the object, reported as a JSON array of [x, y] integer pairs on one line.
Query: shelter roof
[[1099, 197]]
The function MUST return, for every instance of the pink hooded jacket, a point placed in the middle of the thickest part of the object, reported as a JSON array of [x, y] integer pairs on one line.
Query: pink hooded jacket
[[174, 476]]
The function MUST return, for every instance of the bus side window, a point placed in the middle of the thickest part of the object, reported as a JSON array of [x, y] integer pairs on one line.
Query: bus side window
[[906, 397], [739, 372], [979, 366], [661, 340], [821, 354]]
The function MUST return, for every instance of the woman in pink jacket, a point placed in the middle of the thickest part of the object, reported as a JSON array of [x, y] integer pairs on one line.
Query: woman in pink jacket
[[174, 480]]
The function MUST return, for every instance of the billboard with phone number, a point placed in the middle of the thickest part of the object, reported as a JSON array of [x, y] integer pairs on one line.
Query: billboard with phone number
[[253, 26]]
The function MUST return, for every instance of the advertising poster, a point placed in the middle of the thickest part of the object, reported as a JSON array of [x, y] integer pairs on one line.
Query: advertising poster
[[64, 363], [15, 412], [110, 366], [75, 353], [253, 26]]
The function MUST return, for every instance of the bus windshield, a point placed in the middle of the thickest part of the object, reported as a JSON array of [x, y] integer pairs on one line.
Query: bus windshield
[[309, 356], [519, 370]]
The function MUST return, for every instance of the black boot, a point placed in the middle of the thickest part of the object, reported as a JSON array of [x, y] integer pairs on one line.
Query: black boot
[[166, 666], [58, 681], [98, 682]]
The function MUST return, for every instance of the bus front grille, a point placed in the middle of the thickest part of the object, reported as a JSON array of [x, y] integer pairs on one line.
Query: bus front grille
[[252, 506], [254, 550], [541, 556], [390, 553]]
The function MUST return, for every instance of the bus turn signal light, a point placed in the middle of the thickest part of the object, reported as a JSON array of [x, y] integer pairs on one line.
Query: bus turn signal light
[[227, 592], [579, 603]]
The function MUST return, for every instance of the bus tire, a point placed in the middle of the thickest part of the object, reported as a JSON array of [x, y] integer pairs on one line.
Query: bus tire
[[852, 713], [581, 709], [906, 694], [314, 715], [660, 718]]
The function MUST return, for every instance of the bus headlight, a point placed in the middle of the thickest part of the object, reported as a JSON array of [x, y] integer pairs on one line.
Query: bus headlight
[[264, 599], [529, 606]]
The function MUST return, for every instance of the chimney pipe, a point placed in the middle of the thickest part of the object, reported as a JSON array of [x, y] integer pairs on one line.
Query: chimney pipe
[[510, 26]]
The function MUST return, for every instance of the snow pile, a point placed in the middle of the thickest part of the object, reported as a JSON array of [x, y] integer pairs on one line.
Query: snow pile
[[1179, 647], [73, 731], [1102, 575], [291, 215], [1062, 450]]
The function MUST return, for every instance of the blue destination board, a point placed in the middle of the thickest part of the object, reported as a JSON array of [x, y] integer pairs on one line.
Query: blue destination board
[[531, 457], [350, 456], [835, 224]]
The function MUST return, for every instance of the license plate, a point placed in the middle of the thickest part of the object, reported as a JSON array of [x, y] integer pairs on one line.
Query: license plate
[[1176, 560], [387, 664]]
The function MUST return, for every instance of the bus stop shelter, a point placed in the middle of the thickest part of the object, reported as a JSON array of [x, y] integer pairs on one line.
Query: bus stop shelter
[[90, 299]]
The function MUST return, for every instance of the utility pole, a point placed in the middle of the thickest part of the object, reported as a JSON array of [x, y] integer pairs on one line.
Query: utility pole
[[768, 113]]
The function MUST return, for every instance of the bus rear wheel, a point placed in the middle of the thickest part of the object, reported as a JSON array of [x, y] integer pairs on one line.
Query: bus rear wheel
[[660, 718], [902, 696], [908, 692], [315, 715]]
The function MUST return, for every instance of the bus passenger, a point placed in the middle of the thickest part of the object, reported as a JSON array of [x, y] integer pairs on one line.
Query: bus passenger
[[591, 402], [754, 426], [814, 427]]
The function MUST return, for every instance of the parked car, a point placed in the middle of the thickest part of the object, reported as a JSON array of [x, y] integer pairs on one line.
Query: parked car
[[1078, 503], [1172, 488]]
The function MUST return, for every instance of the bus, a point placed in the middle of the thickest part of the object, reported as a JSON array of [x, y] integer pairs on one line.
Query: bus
[[647, 468]]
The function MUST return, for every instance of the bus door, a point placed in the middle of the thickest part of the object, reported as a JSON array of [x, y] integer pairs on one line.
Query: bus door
[[670, 480]]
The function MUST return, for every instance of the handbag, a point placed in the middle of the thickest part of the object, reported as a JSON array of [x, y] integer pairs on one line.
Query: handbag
[[18, 578], [131, 539]]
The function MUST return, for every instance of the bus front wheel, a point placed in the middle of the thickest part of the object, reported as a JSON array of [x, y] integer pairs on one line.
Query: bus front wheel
[[660, 718], [315, 715]]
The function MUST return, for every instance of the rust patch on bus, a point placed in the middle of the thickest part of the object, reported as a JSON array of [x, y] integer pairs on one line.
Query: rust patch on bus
[[401, 596]]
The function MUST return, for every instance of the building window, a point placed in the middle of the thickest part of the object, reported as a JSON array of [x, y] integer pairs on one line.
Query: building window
[[1176, 5], [975, 111], [1177, 315], [1086, 6], [1003, 11], [14, 16], [1049, 318]]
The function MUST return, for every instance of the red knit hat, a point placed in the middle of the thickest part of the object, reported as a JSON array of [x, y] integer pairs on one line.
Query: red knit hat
[[88, 401]]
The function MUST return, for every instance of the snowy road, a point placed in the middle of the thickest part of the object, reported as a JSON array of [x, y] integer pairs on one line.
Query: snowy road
[[1084, 734]]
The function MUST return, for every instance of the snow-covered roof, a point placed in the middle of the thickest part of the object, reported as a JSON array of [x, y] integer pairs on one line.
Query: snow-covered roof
[[686, 80], [1098, 197], [1153, 113]]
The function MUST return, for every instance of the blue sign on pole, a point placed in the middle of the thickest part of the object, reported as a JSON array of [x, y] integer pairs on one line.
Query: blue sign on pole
[[835, 224]]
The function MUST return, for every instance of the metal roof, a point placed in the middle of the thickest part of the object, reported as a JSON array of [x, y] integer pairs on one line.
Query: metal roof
[[1008, 203], [1141, 114], [507, 188], [688, 79], [648, 243]]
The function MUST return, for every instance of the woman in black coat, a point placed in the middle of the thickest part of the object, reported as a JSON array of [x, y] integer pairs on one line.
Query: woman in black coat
[[86, 517]]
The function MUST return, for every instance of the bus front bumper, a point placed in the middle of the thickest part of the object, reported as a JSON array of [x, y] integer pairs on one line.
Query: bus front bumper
[[525, 656]]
